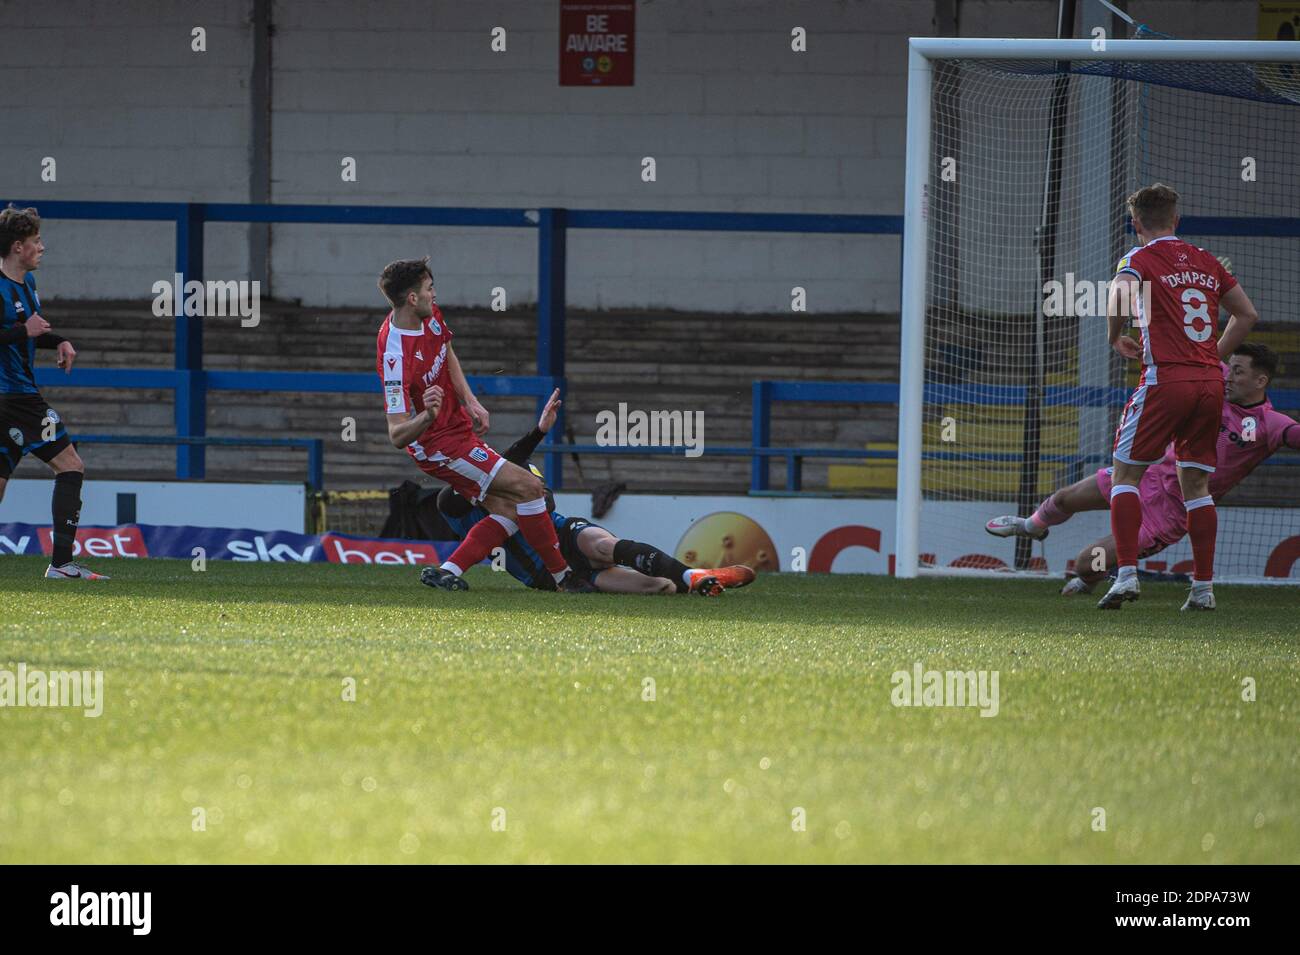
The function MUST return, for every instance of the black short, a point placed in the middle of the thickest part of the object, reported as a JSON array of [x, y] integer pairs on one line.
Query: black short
[[568, 536], [25, 421]]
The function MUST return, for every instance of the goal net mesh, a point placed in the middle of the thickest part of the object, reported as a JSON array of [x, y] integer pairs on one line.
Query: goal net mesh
[[1030, 165]]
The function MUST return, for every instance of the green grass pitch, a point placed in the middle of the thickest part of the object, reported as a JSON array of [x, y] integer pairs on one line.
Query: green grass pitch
[[224, 692]]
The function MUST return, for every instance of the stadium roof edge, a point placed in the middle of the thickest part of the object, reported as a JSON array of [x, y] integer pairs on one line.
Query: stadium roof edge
[[982, 48]]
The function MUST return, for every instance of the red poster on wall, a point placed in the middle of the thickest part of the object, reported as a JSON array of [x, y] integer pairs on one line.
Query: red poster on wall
[[597, 41]]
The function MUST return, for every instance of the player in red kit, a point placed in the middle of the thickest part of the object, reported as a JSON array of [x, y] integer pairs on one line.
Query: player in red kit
[[1174, 291], [433, 415]]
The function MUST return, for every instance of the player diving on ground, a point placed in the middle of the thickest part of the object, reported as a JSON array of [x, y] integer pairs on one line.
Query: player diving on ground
[[611, 564]]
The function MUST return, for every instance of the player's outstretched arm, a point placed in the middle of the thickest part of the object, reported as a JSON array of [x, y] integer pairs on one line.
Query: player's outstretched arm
[[519, 452], [547, 420], [1243, 319], [1291, 436]]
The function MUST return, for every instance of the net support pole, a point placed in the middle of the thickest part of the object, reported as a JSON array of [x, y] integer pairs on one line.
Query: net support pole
[[911, 371], [1098, 242], [1027, 496]]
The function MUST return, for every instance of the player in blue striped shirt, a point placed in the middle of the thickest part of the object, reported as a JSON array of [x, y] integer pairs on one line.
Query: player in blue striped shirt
[[28, 425]]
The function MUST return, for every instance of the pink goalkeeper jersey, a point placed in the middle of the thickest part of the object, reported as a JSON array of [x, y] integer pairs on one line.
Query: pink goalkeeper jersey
[[1247, 435]]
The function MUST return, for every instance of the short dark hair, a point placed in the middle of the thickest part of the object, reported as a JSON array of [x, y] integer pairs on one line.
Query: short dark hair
[[402, 277], [1262, 358], [17, 225], [1155, 206]]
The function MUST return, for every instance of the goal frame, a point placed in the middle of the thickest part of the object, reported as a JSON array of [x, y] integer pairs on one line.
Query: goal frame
[[923, 51]]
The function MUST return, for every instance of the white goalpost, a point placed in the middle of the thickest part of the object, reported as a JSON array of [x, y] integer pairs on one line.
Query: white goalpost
[[1019, 156]]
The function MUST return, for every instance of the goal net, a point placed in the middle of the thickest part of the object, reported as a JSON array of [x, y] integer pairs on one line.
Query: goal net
[[1021, 154]]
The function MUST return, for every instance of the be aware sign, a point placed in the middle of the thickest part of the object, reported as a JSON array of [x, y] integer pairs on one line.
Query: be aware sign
[[597, 42]]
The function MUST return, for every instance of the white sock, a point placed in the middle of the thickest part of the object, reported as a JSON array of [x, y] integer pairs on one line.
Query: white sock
[[1128, 572], [1202, 586], [686, 578], [448, 565], [1032, 525], [510, 526], [561, 575]]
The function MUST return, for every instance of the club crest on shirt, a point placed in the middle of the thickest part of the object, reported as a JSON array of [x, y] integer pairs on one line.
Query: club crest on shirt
[[52, 415], [434, 326], [478, 454]]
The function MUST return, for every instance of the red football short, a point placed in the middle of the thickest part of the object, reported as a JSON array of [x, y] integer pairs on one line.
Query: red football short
[[463, 461], [1187, 413]]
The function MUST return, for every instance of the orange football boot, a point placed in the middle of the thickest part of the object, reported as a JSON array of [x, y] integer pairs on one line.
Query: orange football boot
[[711, 582]]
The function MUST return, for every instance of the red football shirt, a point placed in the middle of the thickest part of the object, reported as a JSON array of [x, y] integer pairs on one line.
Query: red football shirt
[[408, 362], [1180, 336]]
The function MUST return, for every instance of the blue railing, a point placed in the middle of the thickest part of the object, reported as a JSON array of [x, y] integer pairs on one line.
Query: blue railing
[[190, 382], [886, 393], [315, 447]]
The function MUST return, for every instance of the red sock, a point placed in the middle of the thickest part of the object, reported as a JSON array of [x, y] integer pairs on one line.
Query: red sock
[[482, 538], [1125, 523], [1202, 528], [536, 526]]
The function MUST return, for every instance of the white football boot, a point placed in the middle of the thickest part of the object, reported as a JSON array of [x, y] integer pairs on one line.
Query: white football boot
[[73, 571], [1121, 591], [1201, 601], [1011, 526]]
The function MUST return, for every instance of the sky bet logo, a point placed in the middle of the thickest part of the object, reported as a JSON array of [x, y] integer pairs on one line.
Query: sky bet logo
[[103, 908]]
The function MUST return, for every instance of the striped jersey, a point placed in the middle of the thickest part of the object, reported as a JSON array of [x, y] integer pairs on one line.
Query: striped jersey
[[408, 362], [17, 359]]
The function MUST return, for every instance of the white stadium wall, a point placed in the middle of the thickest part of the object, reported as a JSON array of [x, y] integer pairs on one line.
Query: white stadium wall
[[734, 119], [264, 507]]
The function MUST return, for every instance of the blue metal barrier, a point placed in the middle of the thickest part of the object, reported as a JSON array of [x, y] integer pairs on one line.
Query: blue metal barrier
[[886, 393], [191, 383], [182, 383], [315, 447]]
